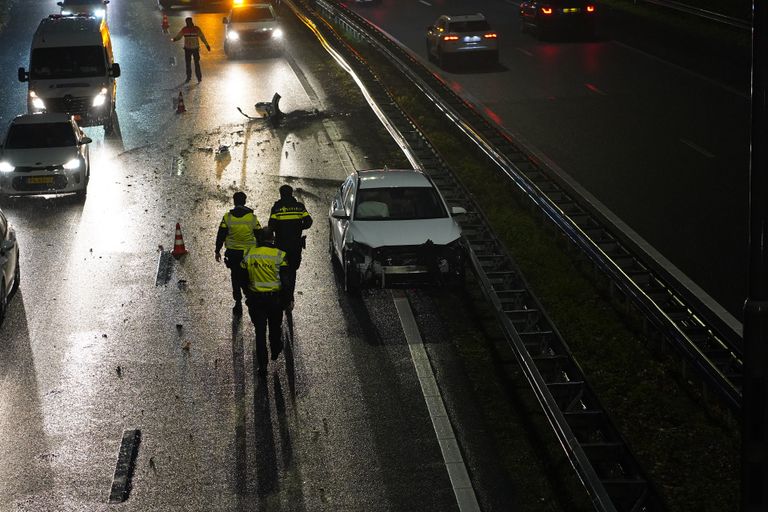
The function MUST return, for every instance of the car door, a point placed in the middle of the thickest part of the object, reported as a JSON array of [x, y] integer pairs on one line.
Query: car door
[[343, 200], [8, 253]]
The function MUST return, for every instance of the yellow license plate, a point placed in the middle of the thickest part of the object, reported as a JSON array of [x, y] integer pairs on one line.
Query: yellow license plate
[[40, 180]]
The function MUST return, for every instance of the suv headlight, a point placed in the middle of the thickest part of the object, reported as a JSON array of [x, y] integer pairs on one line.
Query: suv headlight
[[37, 102], [100, 98], [6, 167], [277, 34], [232, 35], [72, 164]]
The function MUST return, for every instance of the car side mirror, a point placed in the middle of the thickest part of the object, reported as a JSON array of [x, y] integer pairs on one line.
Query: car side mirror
[[7, 245], [340, 214], [106, 2], [458, 210], [60, 4], [23, 75], [86, 140], [115, 70]]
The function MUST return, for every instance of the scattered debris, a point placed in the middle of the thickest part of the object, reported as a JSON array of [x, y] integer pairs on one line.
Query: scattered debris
[[119, 371]]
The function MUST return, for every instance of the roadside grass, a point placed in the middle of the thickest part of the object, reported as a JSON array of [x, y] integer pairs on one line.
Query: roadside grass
[[692, 457]]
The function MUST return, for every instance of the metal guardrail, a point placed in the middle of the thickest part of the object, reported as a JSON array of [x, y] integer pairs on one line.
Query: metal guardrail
[[595, 448], [703, 13], [707, 342]]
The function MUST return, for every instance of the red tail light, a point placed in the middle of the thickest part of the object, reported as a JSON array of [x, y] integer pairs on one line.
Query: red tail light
[[491, 35], [450, 38], [546, 10], [590, 8]]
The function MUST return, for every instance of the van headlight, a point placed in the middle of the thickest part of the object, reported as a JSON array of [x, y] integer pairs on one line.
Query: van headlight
[[233, 36], [99, 13], [100, 98], [37, 102], [6, 167], [66, 13], [72, 164], [277, 34]]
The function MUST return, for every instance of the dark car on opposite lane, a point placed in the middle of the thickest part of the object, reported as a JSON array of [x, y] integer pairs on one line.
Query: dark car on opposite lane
[[550, 18]]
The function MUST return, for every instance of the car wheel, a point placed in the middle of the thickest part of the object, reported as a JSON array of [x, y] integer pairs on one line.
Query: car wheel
[[109, 126], [331, 252], [442, 59], [16, 278], [80, 194], [3, 302], [352, 279]]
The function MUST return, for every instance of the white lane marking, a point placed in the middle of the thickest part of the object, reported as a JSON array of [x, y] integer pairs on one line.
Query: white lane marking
[[524, 52], [454, 462], [425, 3], [697, 148], [595, 89], [688, 71]]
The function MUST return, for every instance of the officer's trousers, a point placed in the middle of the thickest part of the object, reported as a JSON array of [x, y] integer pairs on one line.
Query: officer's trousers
[[232, 259], [266, 309]]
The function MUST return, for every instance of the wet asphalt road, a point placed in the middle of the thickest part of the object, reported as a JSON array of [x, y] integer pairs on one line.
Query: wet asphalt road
[[92, 346], [664, 148]]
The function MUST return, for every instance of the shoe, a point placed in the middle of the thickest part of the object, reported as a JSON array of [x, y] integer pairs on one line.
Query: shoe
[[238, 309], [276, 353], [199, 80], [289, 306], [187, 80]]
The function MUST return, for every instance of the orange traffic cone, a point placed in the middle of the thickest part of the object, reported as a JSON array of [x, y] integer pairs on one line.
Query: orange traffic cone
[[180, 108], [178, 245], [165, 25]]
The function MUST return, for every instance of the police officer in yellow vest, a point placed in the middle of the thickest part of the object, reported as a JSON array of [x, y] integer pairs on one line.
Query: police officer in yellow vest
[[263, 273], [238, 231]]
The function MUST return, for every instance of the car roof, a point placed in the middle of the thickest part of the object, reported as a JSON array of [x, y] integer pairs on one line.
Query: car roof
[[53, 117], [388, 178], [82, 2], [465, 17]]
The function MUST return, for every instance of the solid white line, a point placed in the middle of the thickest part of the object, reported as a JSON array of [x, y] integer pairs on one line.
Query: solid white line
[[425, 3], [595, 89], [686, 70], [454, 462], [697, 148], [524, 51]]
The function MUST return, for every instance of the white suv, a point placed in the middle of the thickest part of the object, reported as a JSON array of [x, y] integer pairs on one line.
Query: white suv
[[393, 226], [44, 154], [10, 275], [452, 36]]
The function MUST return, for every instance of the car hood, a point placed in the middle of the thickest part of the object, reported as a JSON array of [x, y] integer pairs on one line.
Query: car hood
[[39, 157], [388, 233]]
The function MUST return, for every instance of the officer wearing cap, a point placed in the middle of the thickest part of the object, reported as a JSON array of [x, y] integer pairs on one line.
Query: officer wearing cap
[[288, 219], [238, 231], [263, 277]]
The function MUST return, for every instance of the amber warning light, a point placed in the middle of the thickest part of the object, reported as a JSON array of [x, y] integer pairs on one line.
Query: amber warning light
[[590, 8]]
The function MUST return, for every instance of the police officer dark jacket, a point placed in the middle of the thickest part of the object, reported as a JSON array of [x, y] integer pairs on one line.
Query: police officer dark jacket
[[288, 218]]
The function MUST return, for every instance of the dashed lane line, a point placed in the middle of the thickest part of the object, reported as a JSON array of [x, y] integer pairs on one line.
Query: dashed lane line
[[697, 148], [454, 461]]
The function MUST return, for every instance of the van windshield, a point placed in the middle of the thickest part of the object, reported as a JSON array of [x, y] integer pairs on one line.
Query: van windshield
[[67, 62]]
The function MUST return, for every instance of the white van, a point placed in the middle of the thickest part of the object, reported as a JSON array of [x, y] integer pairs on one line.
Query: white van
[[72, 70]]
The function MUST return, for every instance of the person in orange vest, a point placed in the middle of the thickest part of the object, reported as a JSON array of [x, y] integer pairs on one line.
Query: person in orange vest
[[192, 36]]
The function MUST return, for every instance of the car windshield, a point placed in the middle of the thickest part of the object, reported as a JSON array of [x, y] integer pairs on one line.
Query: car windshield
[[468, 26], [78, 3], [67, 62], [252, 13], [40, 135], [399, 203]]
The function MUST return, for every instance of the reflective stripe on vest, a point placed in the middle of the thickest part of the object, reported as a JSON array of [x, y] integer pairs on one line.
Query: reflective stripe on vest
[[263, 266], [287, 213], [240, 231]]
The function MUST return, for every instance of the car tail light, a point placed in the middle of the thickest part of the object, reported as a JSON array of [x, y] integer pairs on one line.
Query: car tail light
[[450, 38], [590, 8], [490, 35], [546, 10]]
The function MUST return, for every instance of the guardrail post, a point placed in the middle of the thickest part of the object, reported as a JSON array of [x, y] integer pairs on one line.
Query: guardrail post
[[754, 478]]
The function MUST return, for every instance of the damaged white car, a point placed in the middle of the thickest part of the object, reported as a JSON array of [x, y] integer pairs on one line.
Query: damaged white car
[[390, 227]]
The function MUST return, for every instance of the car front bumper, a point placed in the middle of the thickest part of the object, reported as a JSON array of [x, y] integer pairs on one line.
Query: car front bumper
[[42, 182]]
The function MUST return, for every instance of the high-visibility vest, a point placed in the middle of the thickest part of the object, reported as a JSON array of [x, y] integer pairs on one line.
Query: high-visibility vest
[[289, 213], [240, 230], [263, 265]]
